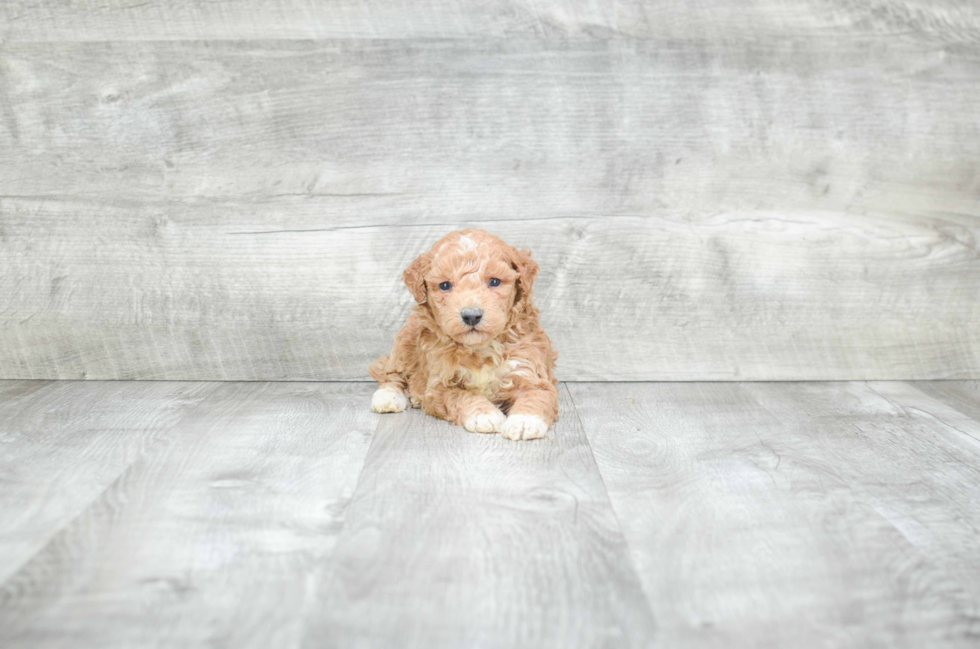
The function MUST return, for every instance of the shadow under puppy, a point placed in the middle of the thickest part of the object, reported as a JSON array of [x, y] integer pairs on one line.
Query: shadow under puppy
[[472, 351]]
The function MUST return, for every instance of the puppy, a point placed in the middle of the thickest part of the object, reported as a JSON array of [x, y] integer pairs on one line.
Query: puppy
[[473, 351]]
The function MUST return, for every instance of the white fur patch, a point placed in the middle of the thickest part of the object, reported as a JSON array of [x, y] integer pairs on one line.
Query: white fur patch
[[465, 243], [484, 422], [521, 367], [518, 427], [389, 399], [481, 380], [485, 379], [516, 367]]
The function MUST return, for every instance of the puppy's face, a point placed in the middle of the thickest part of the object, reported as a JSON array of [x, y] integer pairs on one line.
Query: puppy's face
[[470, 280]]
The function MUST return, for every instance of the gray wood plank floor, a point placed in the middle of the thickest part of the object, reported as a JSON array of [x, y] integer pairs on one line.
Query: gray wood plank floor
[[794, 514], [669, 514]]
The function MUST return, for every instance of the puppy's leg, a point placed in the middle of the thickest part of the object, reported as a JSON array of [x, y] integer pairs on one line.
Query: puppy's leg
[[391, 371], [532, 414], [472, 411], [390, 397]]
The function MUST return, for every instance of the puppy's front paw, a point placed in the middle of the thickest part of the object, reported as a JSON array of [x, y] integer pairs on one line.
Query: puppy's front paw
[[484, 422], [518, 427], [389, 399]]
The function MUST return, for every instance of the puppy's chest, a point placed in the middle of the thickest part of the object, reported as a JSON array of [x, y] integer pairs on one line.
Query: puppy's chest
[[489, 378]]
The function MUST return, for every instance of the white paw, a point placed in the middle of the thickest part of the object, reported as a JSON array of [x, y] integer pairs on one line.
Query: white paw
[[484, 422], [389, 399], [416, 403], [518, 427]]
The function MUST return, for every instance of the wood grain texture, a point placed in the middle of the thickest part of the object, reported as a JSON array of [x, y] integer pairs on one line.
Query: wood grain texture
[[62, 444], [697, 514], [37, 20], [794, 514], [443, 130], [243, 210], [457, 539], [955, 414], [731, 296], [963, 396], [209, 540]]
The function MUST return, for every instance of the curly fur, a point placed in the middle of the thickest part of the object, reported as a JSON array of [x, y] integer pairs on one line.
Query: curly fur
[[495, 377]]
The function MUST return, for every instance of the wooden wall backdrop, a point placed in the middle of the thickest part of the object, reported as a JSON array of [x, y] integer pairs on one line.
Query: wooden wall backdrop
[[714, 190]]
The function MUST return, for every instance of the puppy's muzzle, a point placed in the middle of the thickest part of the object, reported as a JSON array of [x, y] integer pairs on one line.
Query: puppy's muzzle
[[471, 316]]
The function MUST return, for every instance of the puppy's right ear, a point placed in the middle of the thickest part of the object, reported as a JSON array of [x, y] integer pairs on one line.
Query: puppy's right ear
[[414, 277]]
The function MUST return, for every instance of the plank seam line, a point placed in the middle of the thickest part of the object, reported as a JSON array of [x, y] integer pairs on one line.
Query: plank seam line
[[316, 572], [151, 449], [972, 439], [434, 225], [915, 384], [619, 525]]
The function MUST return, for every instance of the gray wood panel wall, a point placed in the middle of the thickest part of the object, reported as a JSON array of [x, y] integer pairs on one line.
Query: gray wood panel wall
[[765, 190]]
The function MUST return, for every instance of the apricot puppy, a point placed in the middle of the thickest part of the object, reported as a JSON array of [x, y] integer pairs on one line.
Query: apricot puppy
[[472, 351]]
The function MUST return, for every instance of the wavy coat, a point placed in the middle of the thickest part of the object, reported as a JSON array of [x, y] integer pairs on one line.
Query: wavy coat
[[497, 376]]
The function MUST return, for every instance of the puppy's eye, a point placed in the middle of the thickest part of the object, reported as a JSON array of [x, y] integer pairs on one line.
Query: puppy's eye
[[494, 282], [445, 286]]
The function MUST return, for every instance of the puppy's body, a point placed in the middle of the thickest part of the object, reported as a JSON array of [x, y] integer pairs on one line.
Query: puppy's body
[[473, 348]]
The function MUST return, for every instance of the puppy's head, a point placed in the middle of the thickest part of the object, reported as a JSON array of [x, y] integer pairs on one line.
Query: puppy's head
[[472, 282]]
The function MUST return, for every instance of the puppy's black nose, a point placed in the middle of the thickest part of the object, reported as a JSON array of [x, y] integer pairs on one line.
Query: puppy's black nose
[[471, 316]]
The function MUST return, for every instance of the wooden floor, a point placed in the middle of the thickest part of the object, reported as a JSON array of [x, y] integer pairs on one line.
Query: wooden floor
[[136, 514], [231, 189]]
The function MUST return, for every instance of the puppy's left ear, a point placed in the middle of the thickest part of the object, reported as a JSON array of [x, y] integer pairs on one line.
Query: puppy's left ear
[[414, 277], [526, 268]]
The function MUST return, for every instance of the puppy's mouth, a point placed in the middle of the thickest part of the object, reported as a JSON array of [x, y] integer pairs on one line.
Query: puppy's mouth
[[474, 333]]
